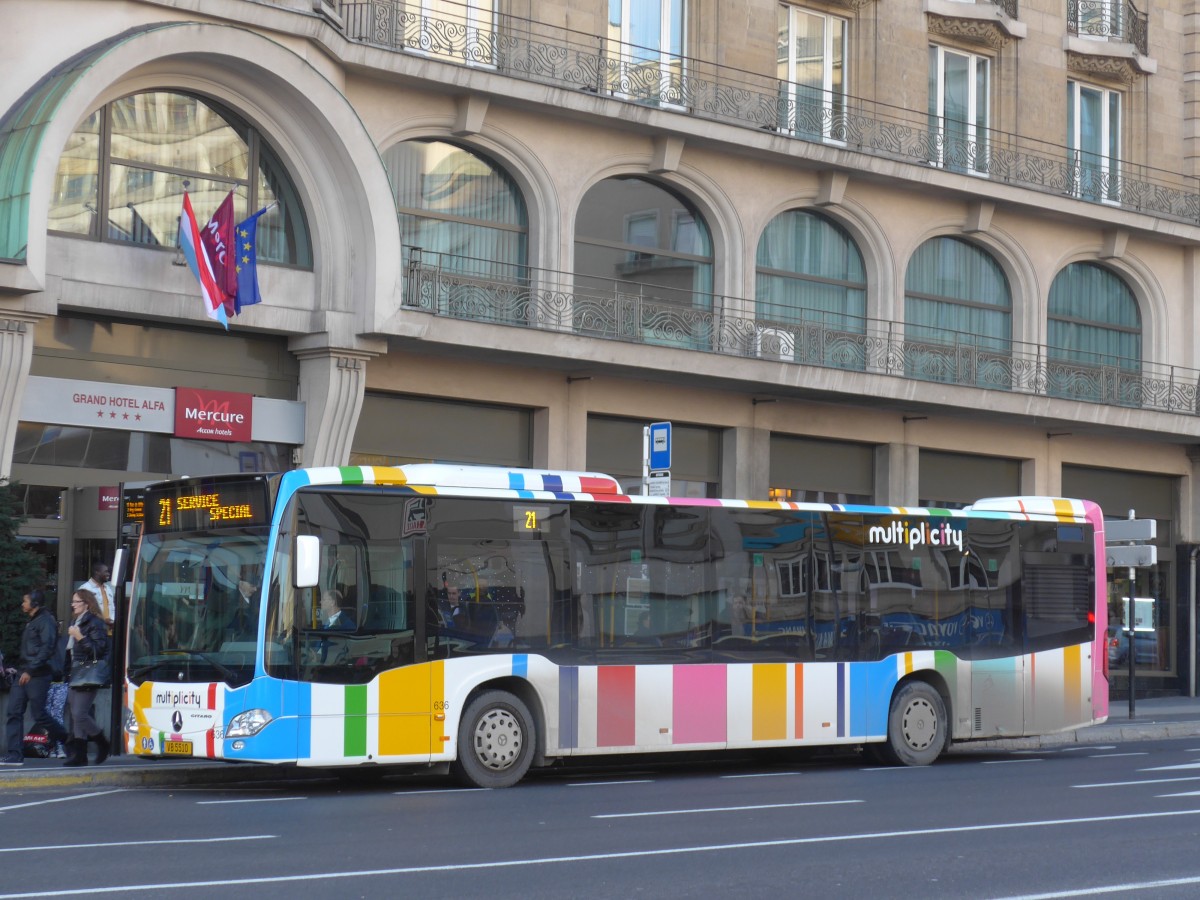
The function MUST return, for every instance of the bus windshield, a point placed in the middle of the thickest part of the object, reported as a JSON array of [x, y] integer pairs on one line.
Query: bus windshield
[[194, 614]]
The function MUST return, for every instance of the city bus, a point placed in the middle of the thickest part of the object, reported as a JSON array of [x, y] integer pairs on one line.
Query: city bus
[[487, 620]]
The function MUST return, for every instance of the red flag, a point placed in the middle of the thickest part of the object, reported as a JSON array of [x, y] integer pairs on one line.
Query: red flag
[[217, 237]]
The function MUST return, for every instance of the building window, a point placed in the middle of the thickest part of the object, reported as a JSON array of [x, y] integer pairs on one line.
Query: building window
[[1094, 139], [1093, 323], [959, 86], [459, 211], [154, 145], [646, 41], [811, 67], [643, 262], [810, 272], [958, 315]]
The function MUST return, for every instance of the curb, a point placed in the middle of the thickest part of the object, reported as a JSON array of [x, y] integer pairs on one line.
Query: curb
[[155, 776], [1093, 734]]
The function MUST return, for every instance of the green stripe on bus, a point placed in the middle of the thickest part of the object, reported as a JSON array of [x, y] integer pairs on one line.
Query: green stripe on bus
[[355, 736], [946, 665], [351, 474]]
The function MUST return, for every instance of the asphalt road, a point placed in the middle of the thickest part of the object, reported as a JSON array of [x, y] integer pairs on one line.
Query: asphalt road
[[1050, 823]]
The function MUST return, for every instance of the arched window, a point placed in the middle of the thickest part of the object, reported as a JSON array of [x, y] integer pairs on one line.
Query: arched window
[[155, 144], [1093, 322], [643, 265], [459, 211], [957, 315], [810, 272]]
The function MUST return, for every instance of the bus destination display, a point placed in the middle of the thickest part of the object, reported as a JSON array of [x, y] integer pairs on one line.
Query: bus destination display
[[203, 506]]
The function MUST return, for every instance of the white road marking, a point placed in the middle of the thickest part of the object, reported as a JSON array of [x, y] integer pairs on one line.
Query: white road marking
[[317, 877], [1108, 889], [1195, 765], [1007, 762], [60, 799], [605, 783], [711, 809], [763, 775], [248, 800], [1184, 794], [440, 791], [147, 843], [1114, 755], [1107, 784]]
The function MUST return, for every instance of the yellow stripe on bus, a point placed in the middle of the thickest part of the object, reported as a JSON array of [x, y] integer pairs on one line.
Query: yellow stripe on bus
[[770, 702], [1072, 683]]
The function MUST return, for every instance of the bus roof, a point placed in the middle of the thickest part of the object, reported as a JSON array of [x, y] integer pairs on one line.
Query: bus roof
[[433, 478], [438, 475]]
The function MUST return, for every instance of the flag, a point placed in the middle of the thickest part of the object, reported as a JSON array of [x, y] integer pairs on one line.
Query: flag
[[217, 236], [197, 258], [246, 235]]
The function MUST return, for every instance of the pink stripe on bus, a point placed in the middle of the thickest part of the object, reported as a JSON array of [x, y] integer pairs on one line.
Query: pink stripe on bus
[[699, 704]]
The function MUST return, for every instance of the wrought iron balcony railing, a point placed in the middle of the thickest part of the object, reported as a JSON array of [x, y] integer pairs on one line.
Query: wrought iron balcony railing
[[534, 51], [636, 313], [1110, 20]]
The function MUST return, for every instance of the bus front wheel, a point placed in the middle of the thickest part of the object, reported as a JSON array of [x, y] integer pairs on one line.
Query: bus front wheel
[[916, 726], [495, 741]]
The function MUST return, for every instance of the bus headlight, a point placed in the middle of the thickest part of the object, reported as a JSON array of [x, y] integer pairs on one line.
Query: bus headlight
[[248, 724]]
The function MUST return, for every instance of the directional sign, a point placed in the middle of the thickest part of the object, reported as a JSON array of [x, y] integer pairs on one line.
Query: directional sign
[[1137, 556], [1119, 530], [660, 446]]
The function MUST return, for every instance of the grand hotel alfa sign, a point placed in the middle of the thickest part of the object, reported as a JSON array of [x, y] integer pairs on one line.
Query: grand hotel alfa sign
[[183, 412]]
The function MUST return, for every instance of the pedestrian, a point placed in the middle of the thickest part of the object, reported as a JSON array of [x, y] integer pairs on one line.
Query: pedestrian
[[88, 641], [38, 644], [101, 588]]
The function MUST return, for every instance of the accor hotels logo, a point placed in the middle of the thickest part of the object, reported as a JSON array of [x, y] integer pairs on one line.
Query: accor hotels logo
[[917, 534]]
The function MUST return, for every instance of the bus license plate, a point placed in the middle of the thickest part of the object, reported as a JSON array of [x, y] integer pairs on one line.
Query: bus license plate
[[177, 748]]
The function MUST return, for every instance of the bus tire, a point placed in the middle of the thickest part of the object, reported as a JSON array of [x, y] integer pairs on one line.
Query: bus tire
[[495, 741], [916, 726]]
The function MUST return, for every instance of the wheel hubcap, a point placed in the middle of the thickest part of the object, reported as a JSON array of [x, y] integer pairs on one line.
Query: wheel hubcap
[[920, 724], [498, 739]]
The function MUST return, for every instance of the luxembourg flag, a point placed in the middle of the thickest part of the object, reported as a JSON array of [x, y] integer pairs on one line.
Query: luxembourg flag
[[197, 258]]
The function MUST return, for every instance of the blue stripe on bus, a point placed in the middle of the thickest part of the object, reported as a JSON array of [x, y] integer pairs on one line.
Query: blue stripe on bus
[[860, 702], [563, 495], [552, 483], [525, 495], [520, 664], [516, 481], [568, 707], [841, 700]]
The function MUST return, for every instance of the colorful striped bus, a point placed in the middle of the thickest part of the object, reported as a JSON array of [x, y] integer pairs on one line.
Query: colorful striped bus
[[491, 620]]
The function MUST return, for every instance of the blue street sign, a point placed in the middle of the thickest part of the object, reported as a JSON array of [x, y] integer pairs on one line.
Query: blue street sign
[[660, 446]]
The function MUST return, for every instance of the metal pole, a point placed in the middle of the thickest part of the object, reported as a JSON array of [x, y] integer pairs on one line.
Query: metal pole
[[1192, 622], [1132, 644], [645, 460]]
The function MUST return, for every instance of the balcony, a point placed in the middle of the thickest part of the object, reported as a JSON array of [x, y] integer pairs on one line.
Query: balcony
[[532, 51], [1117, 21], [537, 299]]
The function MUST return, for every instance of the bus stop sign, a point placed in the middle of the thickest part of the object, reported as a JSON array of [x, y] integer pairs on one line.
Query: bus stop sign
[[660, 446]]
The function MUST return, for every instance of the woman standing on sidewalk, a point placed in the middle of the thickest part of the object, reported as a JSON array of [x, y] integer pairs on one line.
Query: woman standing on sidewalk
[[88, 640]]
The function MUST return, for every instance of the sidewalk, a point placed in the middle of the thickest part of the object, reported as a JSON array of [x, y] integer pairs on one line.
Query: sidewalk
[[1155, 718]]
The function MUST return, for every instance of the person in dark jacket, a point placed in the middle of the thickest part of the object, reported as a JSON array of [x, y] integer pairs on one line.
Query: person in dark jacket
[[38, 645], [88, 640]]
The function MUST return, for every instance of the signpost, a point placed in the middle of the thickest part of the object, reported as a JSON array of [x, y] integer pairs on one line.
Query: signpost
[[1126, 545], [656, 460]]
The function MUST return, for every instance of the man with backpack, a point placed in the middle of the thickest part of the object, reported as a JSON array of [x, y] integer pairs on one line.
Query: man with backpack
[[39, 642]]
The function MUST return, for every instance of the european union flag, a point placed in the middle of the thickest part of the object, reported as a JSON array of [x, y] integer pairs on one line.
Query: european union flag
[[246, 238]]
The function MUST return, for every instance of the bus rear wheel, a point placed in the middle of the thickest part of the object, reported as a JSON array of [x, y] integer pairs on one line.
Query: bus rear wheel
[[916, 726], [495, 741]]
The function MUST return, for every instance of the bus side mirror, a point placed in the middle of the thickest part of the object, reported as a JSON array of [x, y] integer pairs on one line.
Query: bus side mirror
[[308, 560]]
